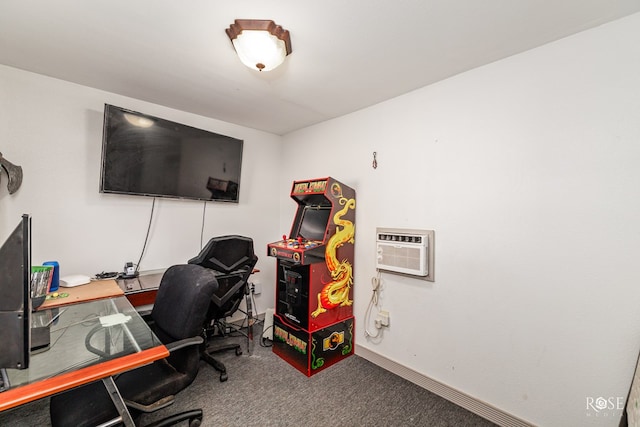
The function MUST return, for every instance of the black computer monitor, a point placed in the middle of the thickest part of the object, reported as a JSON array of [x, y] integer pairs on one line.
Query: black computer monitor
[[15, 297]]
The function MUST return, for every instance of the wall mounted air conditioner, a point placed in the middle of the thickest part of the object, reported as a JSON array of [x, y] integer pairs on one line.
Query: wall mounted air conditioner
[[408, 252]]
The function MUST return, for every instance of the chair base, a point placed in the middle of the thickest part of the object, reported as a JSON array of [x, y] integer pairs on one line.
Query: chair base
[[194, 417], [206, 355]]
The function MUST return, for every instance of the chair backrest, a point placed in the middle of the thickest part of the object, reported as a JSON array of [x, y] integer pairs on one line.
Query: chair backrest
[[182, 301], [226, 254], [232, 259]]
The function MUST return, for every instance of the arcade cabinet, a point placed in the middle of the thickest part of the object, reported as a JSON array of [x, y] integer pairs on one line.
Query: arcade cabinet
[[313, 320]]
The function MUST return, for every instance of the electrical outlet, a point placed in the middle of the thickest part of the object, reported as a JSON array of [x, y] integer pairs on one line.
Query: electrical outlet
[[382, 319], [256, 288]]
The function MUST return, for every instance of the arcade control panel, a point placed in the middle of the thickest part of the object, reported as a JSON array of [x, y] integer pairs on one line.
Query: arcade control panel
[[299, 251]]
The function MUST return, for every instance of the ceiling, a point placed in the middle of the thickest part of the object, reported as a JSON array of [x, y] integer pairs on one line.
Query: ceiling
[[347, 54]]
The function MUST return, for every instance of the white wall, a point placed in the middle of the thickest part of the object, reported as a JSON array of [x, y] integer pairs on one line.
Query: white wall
[[528, 171], [53, 129]]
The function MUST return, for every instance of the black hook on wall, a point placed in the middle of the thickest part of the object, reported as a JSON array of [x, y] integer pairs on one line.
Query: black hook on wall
[[375, 161]]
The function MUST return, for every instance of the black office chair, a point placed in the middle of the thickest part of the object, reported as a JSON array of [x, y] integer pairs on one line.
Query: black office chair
[[232, 259], [177, 317]]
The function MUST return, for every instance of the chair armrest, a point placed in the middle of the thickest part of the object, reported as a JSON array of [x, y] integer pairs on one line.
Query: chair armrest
[[177, 345]]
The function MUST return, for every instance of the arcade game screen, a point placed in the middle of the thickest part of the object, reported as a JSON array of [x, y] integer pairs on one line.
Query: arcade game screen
[[314, 223]]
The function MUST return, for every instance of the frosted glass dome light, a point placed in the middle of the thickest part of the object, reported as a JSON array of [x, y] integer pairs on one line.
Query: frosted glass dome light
[[260, 44]]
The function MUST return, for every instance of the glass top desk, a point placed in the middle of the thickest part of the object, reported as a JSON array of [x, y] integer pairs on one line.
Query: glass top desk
[[89, 341]]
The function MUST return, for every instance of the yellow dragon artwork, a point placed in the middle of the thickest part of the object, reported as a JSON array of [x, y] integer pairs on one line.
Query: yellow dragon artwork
[[336, 292]]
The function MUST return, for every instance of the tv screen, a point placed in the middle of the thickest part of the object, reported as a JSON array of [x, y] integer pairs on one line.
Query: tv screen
[[314, 223], [149, 156]]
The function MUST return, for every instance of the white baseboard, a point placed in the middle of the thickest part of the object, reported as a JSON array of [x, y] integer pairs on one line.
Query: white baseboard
[[471, 404]]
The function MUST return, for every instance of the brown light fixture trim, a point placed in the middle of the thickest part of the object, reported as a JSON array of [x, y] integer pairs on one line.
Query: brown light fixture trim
[[239, 25]]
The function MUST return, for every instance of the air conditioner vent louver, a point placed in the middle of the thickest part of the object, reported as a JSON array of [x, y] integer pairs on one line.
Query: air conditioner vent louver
[[400, 238], [402, 253]]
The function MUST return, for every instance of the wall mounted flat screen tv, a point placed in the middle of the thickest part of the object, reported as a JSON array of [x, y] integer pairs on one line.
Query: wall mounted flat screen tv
[[149, 156]]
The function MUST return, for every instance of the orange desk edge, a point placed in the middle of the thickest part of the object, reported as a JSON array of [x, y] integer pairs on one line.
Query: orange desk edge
[[47, 387]]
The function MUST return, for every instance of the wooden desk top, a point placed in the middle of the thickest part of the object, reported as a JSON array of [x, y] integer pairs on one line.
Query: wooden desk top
[[91, 291]]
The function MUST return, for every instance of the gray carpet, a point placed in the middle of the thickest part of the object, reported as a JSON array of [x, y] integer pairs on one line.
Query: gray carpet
[[264, 390]]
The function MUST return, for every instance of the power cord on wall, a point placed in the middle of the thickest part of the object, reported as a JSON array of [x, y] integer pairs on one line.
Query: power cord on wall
[[146, 239], [375, 297], [204, 211]]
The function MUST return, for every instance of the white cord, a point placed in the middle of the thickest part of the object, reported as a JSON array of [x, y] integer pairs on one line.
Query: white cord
[[375, 282]]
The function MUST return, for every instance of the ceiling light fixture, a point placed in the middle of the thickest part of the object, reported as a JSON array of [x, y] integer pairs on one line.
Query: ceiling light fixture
[[260, 44]]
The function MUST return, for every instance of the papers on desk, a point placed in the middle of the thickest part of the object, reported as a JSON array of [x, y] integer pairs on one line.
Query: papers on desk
[[114, 319]]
